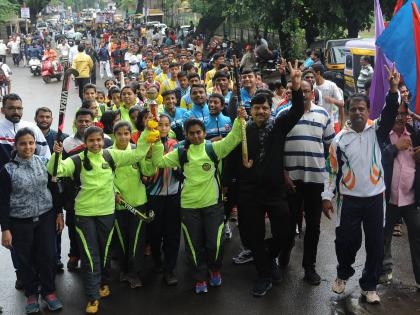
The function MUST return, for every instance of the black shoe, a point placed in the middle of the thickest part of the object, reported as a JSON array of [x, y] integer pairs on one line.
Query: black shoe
[[72, 264], [312, 277], [18, 284], [170, 278], [59, 267], [276, 273], [261, 287]]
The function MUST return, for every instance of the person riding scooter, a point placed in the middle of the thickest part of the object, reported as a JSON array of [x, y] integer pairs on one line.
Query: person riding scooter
[[34, 51], [51, 55]]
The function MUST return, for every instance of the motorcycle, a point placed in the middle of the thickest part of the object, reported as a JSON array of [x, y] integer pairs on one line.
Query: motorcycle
[[35, 66], [48, 71]]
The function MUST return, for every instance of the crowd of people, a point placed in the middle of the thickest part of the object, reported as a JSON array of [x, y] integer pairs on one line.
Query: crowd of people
[[164, 134]]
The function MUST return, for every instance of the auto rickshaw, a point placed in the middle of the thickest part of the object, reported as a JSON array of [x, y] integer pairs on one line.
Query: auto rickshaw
[[80, 27], [353, 50]]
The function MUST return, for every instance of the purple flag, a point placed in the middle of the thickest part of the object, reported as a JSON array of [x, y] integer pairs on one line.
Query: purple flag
[[380, 84]]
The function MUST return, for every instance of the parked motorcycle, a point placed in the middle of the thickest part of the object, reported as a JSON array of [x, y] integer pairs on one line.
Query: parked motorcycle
[[48, 71], [35, 66]]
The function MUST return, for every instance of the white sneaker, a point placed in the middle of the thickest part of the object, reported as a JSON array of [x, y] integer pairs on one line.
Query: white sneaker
[[371, 297], [339, 286], [228, 231], [245, 256], [386, 278]]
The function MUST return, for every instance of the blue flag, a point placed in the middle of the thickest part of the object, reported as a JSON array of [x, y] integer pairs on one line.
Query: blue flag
[[398, 45]]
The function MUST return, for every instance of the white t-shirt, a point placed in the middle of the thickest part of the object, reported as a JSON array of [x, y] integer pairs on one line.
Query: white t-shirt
[[63, 50], [14, 47], [6, 70], [133, 61], [329, 88], [3, 49]]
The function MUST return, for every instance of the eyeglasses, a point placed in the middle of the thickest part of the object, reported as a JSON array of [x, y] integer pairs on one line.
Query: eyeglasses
[[14, 109]]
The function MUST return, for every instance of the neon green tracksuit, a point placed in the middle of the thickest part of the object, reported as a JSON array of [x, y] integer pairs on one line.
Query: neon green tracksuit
[[201, 215], [94, 207], [130, 230]]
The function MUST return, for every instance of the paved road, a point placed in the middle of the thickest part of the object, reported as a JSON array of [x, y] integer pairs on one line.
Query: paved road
[[293, 296]]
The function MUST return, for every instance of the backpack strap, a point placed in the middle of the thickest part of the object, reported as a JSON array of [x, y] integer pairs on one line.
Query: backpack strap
[[182, 155], [77, 161], [212, 155], [108, 158]]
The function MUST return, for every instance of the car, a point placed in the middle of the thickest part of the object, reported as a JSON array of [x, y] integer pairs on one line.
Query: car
[[184, 29], [41, 26], [52, 22], [152, 23], [162, 27]]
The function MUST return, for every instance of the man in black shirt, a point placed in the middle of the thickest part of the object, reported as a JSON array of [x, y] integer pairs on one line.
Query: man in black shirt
[[261, 188]]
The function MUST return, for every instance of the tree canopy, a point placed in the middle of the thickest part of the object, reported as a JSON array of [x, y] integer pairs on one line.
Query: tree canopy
[[317, 18]]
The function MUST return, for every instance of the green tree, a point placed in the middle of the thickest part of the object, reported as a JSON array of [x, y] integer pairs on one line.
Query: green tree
[[35, 7], [7, 10]]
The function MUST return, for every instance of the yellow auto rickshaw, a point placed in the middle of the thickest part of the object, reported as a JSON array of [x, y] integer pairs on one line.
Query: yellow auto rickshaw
[[355, 49]]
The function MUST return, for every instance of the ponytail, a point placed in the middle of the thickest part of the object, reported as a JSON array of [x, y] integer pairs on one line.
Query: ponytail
[[86, 161]]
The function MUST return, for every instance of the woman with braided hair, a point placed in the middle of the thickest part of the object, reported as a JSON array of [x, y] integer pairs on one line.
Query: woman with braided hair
[[93, 170]]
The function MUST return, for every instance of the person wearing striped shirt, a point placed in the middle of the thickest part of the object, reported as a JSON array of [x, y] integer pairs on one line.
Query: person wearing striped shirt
[[305, 172]]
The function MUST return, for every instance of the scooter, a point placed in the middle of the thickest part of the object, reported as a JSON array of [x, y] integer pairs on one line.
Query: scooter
[[48, 71], [35, 66]]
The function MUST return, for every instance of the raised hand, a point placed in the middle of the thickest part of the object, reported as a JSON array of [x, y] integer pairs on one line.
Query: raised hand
[[295, 75], [393, 77]]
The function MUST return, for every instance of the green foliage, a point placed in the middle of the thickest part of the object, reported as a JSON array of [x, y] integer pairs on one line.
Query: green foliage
[[7, 10]]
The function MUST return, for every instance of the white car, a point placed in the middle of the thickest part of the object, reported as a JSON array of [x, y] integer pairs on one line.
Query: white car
[[184, 29], [162, 27], [41, 26]]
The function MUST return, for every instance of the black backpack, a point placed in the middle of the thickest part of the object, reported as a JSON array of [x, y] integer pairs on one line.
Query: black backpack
[[182, 157], [78, 166]]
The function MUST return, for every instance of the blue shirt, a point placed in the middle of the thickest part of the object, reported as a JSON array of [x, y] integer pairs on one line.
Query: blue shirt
[[246, 98], [219, 125], [308, 62], [199, 112], [177, 118]]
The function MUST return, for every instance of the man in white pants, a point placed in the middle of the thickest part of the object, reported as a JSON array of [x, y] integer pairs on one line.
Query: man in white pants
[[104, 59]]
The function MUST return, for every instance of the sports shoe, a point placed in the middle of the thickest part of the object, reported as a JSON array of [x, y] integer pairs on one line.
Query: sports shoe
[[228, 231], [32, 305], [53, 303], [73, 263], [170, 278], [385, 278], [261, 287], [59, 266], [371, 297], [201, 287], [92, 307], [215, 279], [339, 286], [418, 286], [312, 277], [245, 256], [276, 273], [135, 282], [104, 291]]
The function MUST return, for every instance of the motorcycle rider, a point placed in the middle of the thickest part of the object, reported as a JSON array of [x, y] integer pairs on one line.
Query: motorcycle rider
[[34, 51], [51, 55], [262, 52], [63, 50]]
